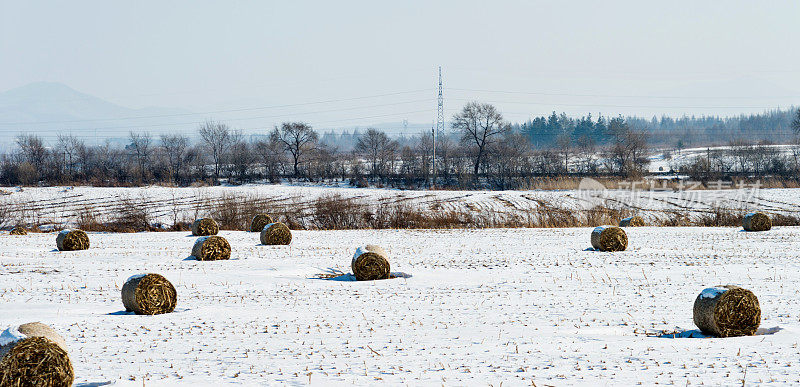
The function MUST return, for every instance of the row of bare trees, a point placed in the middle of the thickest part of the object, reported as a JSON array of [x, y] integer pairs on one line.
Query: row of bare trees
[[745, 157], [482, 150]]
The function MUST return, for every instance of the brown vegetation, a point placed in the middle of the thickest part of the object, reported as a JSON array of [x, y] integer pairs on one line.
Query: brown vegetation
[[335, 212]]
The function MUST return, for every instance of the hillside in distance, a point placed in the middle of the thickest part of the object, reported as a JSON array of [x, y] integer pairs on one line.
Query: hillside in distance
[[48, 109]]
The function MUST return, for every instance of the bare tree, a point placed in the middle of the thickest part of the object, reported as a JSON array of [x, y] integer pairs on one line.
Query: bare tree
[[68, 147], [510, 160], [628, 148], [270, 153], [174, 146], [35, 154], [741, 151], [297, 138], [241, 159], [586, 150], [83, 155], [424, 149], [479, 124], [796, 153], [140, 146], [564, 143], [636, 144], [796, 122], [445, 155], [377, 147], [217, 138]]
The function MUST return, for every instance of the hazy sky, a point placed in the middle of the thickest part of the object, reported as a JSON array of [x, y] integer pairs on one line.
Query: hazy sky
[[528, 57]]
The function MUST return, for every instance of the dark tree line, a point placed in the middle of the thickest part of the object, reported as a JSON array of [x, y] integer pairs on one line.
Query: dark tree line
[[481, 150]]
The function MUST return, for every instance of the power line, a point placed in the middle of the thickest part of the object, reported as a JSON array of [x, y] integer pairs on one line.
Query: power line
[[217, 111], [622, 106], [240, 119], [617, 96]]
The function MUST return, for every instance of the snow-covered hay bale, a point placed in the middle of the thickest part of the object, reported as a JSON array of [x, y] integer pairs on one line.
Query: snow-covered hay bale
[[609, 238], [259, 221], [204, 227], [72, 240], [149, 294], [726, 311], [369, 263], [34, 354], [756, 221], [632, 221], [18, 231], [211, 248], [276, 234]]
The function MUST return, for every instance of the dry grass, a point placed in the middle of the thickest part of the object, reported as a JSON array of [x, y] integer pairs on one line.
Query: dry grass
[[335, 212], [127, 215]]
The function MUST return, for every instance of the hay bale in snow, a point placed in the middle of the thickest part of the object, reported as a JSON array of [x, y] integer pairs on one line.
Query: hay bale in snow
[[756, 221], [34, 354], [18, 231], [149, 294], [726, 311], [72, 240], [204, 227], [369, 263], [632, 221], [609, 238], [211, 248], [276, 234], [259, 221]]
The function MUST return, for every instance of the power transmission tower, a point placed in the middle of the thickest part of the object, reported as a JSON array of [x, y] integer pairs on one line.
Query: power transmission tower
[[439, 124], [440, 109]]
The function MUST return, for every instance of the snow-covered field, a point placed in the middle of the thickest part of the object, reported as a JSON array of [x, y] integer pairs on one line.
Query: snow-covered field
[[510, 306], [690, 155], [61, 206]]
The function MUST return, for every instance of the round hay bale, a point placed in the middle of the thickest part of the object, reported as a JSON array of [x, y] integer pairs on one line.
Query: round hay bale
[[149, 294], [757, 221], [726, 311], [369, 263], [609, 238], [259, 221], [211, 248], [276, 234], [204, 227], [34, 354], [632, 221], [72, 240], [18, 231]]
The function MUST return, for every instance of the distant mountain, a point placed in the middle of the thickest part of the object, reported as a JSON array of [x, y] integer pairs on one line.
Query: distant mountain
[[48, 108]]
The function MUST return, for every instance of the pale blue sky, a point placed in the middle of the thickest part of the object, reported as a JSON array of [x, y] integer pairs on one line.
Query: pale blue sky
[[528, 57]]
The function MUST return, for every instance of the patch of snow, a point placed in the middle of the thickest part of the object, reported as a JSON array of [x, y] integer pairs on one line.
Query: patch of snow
[[11, 335], [135, 276], [599, 229], [360, 250], [518, 306], [712, 292]]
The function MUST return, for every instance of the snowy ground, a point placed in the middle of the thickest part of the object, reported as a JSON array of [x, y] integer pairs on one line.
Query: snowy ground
[[517, 306], [61, 206], [688, 156]]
